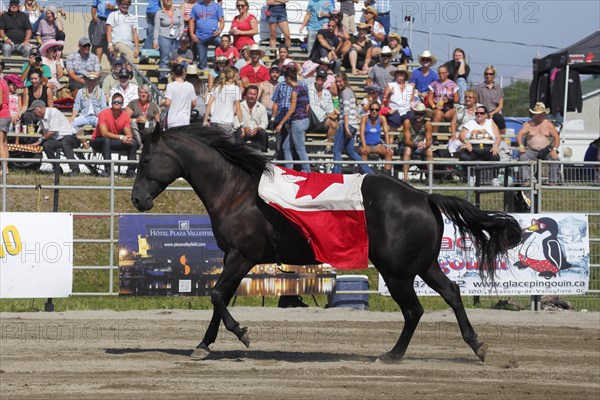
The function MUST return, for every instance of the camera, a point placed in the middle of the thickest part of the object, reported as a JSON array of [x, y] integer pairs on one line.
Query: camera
[[38, 59]]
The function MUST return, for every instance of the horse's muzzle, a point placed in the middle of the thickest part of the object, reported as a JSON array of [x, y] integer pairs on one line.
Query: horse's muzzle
[[142, 204]]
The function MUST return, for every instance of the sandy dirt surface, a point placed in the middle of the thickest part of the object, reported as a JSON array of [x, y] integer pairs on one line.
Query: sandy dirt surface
[[297, 353]]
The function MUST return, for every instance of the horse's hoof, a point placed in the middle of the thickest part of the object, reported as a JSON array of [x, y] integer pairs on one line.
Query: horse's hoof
[[388, 358], [482, 351], [244, 337], [200, 352]]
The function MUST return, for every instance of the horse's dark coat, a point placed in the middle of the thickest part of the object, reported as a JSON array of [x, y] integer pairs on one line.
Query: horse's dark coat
[[404, 226]]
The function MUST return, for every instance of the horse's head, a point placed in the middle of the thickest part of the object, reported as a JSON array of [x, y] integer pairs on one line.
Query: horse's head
[[159, 166]]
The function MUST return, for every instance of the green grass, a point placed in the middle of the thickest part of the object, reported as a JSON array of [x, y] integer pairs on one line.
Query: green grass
[[40, 198]]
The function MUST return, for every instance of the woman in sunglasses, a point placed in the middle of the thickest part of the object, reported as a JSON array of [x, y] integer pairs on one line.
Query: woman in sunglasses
[[244, 26], [52, 57], [480, 137], [371, 128]]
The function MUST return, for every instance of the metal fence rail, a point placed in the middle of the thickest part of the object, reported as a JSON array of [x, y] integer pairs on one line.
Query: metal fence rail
[[577, 192]]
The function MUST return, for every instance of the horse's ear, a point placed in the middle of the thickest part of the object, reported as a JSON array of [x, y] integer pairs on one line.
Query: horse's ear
[[156, 133]]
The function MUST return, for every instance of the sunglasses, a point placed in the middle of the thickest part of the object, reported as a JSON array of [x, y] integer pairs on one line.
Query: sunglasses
[[480, 113], [86, 45], [425, 59], [419, 114], [117, 102], [386, 55], [55, 48], [536, 222], [489, 74], [240, 5], [373, 109]]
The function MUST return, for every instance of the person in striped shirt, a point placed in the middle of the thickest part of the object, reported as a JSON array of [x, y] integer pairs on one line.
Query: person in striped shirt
[[344, 137]]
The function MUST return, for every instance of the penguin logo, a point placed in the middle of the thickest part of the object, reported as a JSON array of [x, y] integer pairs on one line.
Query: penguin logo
[[541, 250]]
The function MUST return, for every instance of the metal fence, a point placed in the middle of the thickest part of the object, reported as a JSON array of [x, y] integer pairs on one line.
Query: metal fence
[[491, 186]]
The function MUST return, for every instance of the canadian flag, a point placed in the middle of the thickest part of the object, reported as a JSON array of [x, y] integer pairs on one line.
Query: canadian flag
[[327, 208]]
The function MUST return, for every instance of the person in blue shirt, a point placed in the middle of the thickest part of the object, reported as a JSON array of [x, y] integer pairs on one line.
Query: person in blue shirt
[[206, 24], [318, 13], [423, 77], [151, 10]]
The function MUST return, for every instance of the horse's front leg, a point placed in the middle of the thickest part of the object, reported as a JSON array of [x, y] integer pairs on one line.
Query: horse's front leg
[[234, 270]]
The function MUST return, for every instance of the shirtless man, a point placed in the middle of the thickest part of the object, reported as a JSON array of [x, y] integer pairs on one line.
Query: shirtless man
[[417, 137], [540, 133]]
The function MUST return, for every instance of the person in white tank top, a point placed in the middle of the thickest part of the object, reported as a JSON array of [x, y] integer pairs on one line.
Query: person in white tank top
[[481, 138]]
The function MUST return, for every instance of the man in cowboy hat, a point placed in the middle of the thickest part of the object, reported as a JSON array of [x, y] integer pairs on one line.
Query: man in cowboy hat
[[424, 75], [542, 141], [381, 73], [254, 72]]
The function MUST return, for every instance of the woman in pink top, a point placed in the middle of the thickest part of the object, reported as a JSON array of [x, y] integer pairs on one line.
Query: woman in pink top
[[244, 26]]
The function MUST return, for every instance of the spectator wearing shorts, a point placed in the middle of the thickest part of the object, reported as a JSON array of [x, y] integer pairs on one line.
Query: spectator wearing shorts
[[277, 17], [348, 12], [121, 32], [101, 9]]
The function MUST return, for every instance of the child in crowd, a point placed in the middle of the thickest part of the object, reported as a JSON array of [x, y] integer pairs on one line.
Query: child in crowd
[[183, 55]]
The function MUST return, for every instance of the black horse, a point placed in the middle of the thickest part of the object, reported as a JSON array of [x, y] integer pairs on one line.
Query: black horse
[[404, 226]]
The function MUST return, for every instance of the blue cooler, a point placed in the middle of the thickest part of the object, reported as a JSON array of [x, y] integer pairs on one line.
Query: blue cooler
[[347, 283]]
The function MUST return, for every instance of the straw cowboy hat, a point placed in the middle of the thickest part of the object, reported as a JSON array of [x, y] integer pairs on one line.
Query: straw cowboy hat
[[539, 108], [91, 76], [50, 44], [256, 47], [427, 54], [370, 10], [401, 68]]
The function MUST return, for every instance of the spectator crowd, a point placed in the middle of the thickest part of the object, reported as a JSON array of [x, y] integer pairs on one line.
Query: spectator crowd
[[246, 95]]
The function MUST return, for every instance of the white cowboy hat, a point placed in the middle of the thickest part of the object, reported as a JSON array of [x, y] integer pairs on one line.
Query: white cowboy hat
[[419, 107], [427, 54], [192, 69], [256, 47], [539, 108], [386, 50]]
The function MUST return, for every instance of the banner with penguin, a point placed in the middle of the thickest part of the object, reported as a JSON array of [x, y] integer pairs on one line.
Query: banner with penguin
[[553, 258]]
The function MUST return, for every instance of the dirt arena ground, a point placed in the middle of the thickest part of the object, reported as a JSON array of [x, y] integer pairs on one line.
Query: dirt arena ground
[[297, 353]]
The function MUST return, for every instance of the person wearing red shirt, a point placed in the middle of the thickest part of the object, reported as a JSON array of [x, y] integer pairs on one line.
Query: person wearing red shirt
[[113, 133], [254, 72], [244, 26], [227, 50]]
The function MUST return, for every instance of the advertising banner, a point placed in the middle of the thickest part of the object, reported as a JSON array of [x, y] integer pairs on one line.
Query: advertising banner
[[36, 255], [553, 258], [178, 255]]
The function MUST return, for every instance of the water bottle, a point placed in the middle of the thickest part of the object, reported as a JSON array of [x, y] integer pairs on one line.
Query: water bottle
[[18, 125]]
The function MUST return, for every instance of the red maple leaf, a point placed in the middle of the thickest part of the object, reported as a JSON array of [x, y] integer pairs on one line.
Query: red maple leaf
[[590, 57], [314, 183]]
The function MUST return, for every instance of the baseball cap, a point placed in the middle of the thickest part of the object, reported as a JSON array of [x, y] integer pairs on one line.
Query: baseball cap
[[118, 60], [83, 41], [321, 75], [35, 104], [13, 2]]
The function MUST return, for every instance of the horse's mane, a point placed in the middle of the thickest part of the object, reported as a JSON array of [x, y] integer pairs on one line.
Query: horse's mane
[[239, 155]]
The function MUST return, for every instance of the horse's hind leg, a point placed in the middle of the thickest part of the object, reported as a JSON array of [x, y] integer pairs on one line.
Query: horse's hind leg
[[450, 292], [403, 293]]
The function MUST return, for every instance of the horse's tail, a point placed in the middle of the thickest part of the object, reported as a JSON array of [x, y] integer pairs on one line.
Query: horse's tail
[[493, 233]]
